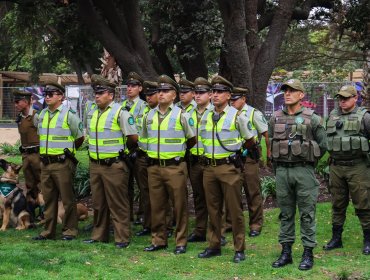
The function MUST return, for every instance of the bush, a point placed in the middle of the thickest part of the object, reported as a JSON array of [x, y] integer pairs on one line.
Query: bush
[[268, 187], [82, 182], [11, 150]]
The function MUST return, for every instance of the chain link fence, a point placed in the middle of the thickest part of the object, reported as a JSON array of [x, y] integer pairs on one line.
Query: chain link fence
[[319, 97]]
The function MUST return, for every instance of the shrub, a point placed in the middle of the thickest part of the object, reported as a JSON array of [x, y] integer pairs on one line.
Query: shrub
[[82, 182], [268, 186], [11, 150]]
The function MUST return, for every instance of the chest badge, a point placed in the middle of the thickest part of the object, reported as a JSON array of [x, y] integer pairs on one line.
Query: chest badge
[[299, 120]]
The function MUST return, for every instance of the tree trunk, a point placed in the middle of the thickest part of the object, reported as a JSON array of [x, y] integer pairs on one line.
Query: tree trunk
[[235, 46]]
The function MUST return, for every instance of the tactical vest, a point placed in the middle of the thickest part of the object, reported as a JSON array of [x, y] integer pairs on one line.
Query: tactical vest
[[55, 134], [345, 139], [167, 139], [227, 131], [249, 113], [105, 136], [293, 139], [28, 131]]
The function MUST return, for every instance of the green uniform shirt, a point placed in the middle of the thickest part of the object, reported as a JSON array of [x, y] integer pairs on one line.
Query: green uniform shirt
[[190, 106]]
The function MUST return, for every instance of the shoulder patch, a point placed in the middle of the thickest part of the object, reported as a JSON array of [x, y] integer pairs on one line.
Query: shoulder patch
[[72, 111], [80, 126], [131, 120], [249, 125]]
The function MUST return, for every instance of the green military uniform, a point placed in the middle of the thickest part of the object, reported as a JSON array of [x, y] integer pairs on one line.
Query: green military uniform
[[348, 145], [30, 145], [58, 130], [166, 137], [295, 179], [108, 130], [196, 169], [185, 87]]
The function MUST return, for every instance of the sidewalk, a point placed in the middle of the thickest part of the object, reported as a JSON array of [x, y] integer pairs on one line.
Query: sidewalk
[[9, 135]]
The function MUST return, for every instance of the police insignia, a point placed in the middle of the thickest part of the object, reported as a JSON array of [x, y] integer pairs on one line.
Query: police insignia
[[131, 120], [80, 126], [191, 122], [299, 120], [249, 125]]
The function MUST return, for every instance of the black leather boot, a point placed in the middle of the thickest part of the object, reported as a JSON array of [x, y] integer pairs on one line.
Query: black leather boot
[[366, 249], [285, 256], [307, 259], [336, 240]]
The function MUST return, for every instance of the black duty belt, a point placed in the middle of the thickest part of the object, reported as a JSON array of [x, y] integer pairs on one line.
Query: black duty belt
[[294, 164], [165, 162], [32, 150], [106, 161], [141, 153], [52, 159], [347, 162], [217, 162]]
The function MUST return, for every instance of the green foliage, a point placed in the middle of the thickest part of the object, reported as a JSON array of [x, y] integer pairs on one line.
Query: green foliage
[[11, 150], [268, 186], [82, 182], [322, 167]]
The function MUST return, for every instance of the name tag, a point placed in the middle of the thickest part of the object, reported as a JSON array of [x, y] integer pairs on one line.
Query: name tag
[[110, 141], [172, 140], [60, 137]]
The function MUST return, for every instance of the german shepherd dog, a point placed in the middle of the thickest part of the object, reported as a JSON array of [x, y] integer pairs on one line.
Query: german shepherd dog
[[13, 203]]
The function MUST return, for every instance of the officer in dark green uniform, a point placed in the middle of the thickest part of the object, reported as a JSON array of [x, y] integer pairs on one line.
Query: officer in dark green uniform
[[348, 130], [298, 141]]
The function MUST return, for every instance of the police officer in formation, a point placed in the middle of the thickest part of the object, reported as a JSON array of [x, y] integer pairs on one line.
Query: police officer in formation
[[348, 129], [223, 133], [203, 90], [111, 128], [168, 134], [298, 141], [61, 133], [141, 163], [187, 101], [30, 143], [251, 179]]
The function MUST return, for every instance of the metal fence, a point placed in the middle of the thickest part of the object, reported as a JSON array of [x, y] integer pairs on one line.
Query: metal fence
[[319, 96]]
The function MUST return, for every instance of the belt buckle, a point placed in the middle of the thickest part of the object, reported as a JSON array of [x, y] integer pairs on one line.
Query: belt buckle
[[213, 162], [162, 162]]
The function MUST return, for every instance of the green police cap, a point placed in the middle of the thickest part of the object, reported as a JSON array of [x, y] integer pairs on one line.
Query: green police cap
[[52, 87], [220, 83], [134, 78], [165, 82], [347, 91], [294, 84], [150, 87], [202, 85], [185, 85], [238, 92], [100, 84], [21, 94]]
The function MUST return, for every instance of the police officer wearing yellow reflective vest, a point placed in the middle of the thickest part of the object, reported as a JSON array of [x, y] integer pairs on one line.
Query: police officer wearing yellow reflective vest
[[348, 130], [223, 131], [168, 133], [186, 102], [110, 128], [202, 98], [61, 133], [251, 180]]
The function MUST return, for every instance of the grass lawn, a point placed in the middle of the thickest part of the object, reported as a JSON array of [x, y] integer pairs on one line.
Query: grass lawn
[[22, 258]]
